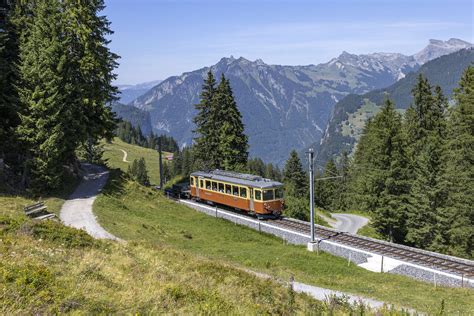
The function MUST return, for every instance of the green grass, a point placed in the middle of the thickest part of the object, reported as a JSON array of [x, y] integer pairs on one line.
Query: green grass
[[114, 156], [136, 213], [47, 268], [15, 203]]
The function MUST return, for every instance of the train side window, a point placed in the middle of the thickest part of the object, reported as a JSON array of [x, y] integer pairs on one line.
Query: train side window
[[201, 183], [214, 186], [235, 190], [221, 187], [208, 184], [258, 195], [192, 181], [268, 195], [228, 189], [243, 192]]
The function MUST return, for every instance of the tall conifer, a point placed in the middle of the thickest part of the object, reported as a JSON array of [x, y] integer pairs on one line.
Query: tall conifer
[[204, 129], [91, 70], [380, 172], [426, 127], [294, 177], [459, 176], [43, 61], [233, 143]]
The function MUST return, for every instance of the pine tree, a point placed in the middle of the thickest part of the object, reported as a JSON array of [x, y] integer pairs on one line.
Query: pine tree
[[91, 73], [8, 106], [43, 61], [187, 164], [391, 212], [177, 165], [205, 142], [233, 143], [10, 149], [326, 190], [426, 128], [221, 142], [138, 171], [294, 177], [459, 175], [272, 172], [91, 152], [379, 174], [342, 200]]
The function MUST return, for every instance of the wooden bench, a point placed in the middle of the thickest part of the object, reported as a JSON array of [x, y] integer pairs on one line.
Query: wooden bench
[[38, 211]]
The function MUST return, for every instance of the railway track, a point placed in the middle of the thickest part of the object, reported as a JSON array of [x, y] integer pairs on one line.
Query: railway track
[[460, 267]]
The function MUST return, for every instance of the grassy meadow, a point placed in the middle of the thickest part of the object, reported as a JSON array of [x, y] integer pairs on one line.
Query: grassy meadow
[[136, 213], [113, 155], [47, 268]]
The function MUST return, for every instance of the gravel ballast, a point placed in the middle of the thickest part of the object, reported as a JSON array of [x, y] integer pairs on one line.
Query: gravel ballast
[[356, 256]]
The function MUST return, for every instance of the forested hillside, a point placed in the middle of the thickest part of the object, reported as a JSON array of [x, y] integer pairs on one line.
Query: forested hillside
[[414, 173], [135, 116], [56, 85], [351, 113]]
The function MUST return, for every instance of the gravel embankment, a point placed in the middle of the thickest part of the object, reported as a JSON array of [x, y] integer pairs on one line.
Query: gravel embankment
[[356, 256]]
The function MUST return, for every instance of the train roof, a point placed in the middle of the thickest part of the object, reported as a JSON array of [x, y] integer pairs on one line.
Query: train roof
[[238, 178]]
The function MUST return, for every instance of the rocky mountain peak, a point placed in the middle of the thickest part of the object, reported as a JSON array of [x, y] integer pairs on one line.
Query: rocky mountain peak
[[437, 48]]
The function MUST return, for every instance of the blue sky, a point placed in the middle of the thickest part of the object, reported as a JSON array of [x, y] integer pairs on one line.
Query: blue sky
[[160, 38]]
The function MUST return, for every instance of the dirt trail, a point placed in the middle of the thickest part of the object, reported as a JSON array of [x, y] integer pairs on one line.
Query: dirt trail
[[125, 154], [77, 210]]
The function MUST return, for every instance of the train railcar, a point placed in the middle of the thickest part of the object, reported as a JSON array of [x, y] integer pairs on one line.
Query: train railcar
[[250, 193]]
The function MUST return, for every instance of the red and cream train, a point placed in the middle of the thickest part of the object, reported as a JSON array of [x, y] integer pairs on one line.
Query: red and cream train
[[250, 193]]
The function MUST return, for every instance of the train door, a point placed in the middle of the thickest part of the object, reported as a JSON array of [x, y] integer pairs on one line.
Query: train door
[[251, 206], [199, 185]]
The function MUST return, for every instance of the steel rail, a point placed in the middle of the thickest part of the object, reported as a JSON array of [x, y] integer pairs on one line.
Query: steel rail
[[439, 262]]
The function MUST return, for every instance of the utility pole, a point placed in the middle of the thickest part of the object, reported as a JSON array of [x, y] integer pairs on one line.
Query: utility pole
[[311, 191], [161, 162], [311, 244]]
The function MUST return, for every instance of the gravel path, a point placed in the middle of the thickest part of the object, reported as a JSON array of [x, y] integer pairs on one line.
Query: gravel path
[[349, 223], [323, 294], [125, 154], [77, 210]]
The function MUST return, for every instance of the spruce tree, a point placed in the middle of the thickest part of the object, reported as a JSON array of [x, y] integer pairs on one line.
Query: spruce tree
[[8, 104], [187, 164], [272, 172], [43, 63], [294, 177], [391, 211], [459, 175], [426, 128], [138, 171], [10, 149], [326, 190], [91, 73], [233, 143], [205, 142], [341, 201], [379, 174]]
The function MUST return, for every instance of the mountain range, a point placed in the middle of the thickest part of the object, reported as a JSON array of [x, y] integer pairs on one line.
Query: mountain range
[[283, 107], [128, 93], [351, 113]]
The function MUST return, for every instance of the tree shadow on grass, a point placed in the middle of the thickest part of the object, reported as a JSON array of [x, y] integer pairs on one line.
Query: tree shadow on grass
[[116, 183]]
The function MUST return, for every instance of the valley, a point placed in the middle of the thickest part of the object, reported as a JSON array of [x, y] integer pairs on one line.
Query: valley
[[283, 107]]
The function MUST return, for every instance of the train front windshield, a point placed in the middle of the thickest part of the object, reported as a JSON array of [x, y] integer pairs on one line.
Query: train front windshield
[[272, 194]]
